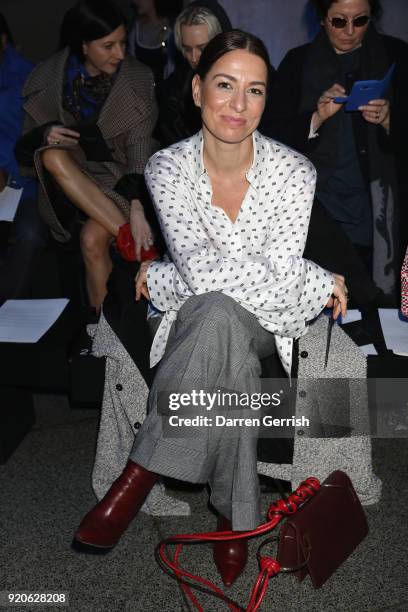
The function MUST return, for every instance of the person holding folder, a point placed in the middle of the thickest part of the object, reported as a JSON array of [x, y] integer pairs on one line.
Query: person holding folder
[[360, 156]]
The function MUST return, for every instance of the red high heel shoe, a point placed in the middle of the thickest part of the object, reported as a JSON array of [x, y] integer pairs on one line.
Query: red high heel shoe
[[126, 246], [103, 526], [230, 556]]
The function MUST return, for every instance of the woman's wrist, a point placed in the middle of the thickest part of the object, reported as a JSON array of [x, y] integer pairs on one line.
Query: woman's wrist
[[46, 134], [136, 206], [137, 214], [386, 123], [317, 121]]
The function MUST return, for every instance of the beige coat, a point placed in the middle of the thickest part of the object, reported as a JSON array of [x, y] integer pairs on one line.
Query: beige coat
[[126, 121]]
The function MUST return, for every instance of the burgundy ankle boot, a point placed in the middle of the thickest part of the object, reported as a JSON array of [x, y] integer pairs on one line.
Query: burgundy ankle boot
[[103, 526], [230, 556]]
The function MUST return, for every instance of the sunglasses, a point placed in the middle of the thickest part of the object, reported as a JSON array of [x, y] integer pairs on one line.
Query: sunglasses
[[340, 22]]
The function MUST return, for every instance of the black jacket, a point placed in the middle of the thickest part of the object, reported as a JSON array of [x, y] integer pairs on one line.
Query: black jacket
[[289, 121], [291, 126]]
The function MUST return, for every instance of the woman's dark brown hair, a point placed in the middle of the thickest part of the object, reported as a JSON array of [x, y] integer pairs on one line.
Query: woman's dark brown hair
[[322, 6], [231, 41], [89, 20]]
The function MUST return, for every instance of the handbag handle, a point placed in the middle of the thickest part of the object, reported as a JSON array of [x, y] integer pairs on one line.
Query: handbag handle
[[285, 570]]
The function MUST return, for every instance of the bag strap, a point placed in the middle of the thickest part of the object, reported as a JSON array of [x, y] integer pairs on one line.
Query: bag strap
[[268, 566], [282, 569]]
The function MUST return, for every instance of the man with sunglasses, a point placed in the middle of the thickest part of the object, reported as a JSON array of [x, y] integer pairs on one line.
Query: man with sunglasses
[[361, 157]]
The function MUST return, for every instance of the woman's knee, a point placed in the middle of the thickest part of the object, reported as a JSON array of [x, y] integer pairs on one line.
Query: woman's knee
[[56, 161], [94, 241]]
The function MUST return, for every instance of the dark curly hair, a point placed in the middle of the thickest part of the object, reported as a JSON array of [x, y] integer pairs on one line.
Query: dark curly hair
[[322, 6]]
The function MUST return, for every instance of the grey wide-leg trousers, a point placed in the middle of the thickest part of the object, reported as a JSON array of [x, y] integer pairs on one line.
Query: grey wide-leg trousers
[[214, 344]]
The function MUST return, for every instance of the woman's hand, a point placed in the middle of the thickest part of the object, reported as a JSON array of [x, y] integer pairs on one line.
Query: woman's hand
[[141, 231], [141, 281], [58, 134], [326, 107], [338, 301], [377, 112]]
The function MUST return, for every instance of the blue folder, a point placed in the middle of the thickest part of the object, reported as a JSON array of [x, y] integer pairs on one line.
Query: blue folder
[[364, 91]]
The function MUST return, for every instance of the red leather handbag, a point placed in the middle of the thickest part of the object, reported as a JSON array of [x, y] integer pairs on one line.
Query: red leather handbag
[[324, 532], [324, 524], [126, 246]]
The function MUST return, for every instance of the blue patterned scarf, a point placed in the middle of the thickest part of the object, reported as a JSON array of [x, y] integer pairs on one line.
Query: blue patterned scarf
[[84, 95]]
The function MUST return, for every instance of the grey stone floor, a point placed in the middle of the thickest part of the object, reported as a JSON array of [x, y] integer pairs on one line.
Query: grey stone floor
[[45, 490]]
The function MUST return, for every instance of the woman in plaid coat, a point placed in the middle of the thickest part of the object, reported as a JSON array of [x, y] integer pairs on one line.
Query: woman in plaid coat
[[89, 116]]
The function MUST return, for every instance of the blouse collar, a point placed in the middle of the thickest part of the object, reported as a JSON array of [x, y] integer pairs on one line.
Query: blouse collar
[[252, 173]]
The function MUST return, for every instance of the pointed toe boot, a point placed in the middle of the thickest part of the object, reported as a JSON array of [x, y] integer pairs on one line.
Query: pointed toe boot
[[230, 556]]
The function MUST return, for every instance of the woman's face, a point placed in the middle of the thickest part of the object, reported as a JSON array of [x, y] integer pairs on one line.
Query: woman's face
[[232, 95], [105, 54], [194, 38], [349, 37]]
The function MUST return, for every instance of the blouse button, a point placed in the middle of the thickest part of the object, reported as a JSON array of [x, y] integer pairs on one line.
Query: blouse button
[[119, 387]]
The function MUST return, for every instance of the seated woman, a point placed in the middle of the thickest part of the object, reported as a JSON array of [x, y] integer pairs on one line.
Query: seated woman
[[361, 156], [193, 29], [234, 208], [90, 112]]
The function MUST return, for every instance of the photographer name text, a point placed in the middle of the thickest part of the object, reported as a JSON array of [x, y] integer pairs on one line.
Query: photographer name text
[[223, 421]]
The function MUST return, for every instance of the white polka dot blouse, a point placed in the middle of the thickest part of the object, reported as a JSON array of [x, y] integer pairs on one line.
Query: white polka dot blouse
[[257, 260]]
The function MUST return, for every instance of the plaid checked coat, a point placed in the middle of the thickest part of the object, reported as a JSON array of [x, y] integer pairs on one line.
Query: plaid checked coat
[[126, 121]]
